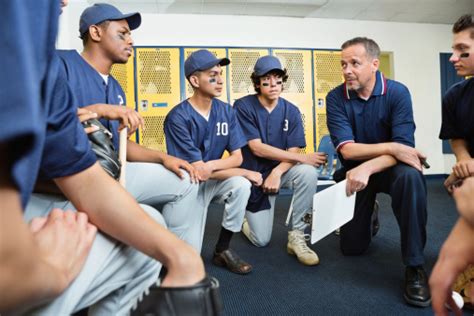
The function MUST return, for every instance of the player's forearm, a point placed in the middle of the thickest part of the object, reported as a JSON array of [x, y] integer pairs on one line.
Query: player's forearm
[[379, 164], [228, 173], [464, 198], [262, 150], [25, 279], [459, 147], [100, 108], [115, 212], [234, 160], [282, 168], [138, 153], [357, 151]]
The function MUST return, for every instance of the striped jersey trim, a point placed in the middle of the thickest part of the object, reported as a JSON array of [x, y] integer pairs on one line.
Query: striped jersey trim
[[343, 143]]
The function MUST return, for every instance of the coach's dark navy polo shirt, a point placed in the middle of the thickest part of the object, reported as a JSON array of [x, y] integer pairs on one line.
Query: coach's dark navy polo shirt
[[387, 116], [458, 113]]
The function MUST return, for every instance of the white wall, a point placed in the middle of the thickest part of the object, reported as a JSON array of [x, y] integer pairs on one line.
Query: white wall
[[415, 48]]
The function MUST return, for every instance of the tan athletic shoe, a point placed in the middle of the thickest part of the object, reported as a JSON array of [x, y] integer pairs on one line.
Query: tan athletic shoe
[[246, 228], [297, 246]]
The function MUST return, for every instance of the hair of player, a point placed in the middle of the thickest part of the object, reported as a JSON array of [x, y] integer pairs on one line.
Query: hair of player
[[465, 22]]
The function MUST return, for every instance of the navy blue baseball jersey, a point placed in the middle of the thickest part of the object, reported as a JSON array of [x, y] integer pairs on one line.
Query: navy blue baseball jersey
[[67, 149], [282, 128], [191, 137], [458, 113], [88, 87], [387, 116], [28, 35], [37, 119]]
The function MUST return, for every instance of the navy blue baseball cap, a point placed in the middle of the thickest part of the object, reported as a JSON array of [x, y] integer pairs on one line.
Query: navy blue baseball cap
[[202, 60], [101, 12], [266, 64]]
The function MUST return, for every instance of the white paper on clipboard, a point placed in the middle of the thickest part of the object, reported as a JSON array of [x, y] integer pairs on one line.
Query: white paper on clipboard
[[332, 208]]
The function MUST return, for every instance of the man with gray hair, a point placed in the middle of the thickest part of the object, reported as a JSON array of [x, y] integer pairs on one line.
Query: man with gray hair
[[370, 120]]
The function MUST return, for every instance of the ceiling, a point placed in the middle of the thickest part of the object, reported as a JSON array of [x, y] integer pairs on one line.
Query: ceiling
[[417, 11]]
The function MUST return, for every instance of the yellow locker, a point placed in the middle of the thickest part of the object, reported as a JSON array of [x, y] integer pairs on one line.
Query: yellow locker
[[327, 76], [219, 53], [298, 88], [386, 64], [241, 66], [158, 91], [124, 75]]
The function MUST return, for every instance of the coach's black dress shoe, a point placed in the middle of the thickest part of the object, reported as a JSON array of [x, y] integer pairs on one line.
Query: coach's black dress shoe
[[417, 291]]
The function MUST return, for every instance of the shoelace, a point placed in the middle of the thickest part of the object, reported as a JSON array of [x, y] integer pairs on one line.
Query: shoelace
[[418, 277], [301, 242]]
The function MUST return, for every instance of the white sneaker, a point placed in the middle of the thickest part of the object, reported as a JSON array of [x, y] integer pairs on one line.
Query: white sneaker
[[297, 246]]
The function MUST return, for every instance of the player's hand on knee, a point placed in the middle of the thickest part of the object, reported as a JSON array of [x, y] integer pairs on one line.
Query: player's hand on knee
[[357, 180], [254, 177], [64, 239], [464, 168], [271, 185], [314, 159], [84, 115], [176, 165], [185, 268], [203, 169]]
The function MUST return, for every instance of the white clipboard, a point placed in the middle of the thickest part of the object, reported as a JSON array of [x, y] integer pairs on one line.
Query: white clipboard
[[332, 208]]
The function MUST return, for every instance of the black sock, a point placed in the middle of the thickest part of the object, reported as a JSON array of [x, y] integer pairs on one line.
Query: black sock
[[224, 240]]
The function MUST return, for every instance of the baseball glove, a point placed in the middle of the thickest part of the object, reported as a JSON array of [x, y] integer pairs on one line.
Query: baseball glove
[[200, 299], [101, 141]]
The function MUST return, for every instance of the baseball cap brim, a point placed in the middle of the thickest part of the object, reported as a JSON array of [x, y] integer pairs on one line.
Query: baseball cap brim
[[133, 19], [263, 72], [218, 61]]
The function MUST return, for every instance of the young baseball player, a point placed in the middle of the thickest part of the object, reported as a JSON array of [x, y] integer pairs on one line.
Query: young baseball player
[[457, 120], [152, 177], [48, 138], [274, 131], [38, 261], [199, 130]]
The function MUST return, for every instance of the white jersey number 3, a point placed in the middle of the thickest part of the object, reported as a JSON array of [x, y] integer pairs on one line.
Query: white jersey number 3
[[285, 127], [222, 129]]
